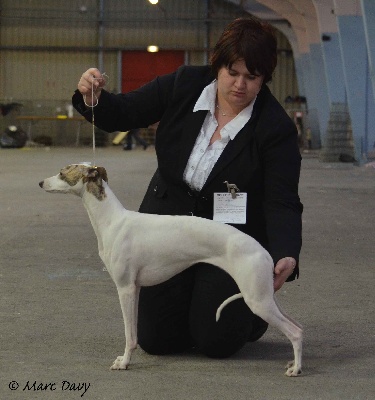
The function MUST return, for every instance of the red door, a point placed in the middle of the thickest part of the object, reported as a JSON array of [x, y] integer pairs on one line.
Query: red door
[[140, 67]]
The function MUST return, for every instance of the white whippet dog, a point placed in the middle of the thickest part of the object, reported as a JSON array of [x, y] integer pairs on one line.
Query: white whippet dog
[[144, 249]]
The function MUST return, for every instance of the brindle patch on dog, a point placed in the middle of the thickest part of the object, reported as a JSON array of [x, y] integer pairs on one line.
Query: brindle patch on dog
[[96, 188], [72, 174]]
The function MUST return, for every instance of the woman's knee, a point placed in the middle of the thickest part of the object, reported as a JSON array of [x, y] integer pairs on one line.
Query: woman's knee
[[222, 339], [225, 337], [163, 316], [220, 349], [156, 345]]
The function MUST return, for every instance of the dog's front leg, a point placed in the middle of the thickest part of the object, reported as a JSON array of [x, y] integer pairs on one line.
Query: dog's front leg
[[129, 296]]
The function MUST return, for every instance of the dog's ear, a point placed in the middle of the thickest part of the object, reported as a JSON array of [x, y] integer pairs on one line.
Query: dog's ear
[[97, 172], [102, 173], [92, 172]]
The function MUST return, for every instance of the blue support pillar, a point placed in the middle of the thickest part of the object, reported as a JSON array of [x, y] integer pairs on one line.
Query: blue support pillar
[[338, 143], [333, 68], [356, 75], [368, 10], [312, 117], [300, 75], [321, 91]]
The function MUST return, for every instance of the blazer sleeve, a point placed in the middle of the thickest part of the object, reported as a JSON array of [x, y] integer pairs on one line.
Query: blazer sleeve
[[281, 161], [136, 109]]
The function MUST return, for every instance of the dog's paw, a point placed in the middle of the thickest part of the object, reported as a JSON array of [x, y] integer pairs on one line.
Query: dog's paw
[[290, 364], [119, 364], [291, 370]]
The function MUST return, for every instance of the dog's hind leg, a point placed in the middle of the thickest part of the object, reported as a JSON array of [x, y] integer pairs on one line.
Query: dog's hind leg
[[255, 281], [129, 296], [270, 312], [294, 367]]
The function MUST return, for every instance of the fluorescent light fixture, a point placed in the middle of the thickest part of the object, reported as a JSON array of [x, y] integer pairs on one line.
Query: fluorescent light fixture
[[154, 1]]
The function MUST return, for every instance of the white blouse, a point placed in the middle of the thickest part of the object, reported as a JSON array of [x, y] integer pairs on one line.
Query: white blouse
[[204, 156]]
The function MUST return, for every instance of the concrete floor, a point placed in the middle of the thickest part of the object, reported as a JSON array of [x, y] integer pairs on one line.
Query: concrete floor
[[61, 324]]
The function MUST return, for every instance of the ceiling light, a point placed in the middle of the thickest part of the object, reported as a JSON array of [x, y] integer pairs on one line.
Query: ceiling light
[[152, 49]]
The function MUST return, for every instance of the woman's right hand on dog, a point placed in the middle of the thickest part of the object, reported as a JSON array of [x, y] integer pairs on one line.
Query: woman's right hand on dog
[[90, 86]]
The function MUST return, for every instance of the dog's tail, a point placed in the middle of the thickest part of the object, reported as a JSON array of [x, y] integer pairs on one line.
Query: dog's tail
[[226, 302]]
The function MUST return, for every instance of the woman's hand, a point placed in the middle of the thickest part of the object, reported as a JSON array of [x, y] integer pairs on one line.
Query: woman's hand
[[90, 86], [283, 269]]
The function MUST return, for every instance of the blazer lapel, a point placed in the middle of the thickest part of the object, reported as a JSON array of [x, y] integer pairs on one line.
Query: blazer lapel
[[232, 149], [193, 124], [191, 131]]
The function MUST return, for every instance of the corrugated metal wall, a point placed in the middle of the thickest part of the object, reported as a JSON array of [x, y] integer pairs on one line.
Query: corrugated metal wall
[[45, 45]]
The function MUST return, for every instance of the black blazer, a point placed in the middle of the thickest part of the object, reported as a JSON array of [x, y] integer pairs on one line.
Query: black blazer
[[263, 160]]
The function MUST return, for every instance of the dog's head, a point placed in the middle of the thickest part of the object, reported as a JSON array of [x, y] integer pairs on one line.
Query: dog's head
[[77, 178]]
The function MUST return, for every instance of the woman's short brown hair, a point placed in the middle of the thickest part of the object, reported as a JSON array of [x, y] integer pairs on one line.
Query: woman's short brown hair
[[249, 39]]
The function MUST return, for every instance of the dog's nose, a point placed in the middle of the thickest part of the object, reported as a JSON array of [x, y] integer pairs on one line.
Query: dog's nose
[[41, 184]]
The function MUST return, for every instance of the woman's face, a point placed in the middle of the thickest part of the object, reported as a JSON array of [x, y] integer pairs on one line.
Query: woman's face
[[236, 86]]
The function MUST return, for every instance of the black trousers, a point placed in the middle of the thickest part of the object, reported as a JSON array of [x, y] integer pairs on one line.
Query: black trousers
[[181, 313]]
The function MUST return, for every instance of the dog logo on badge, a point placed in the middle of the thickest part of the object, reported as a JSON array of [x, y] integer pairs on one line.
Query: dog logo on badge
[[232, 189]]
